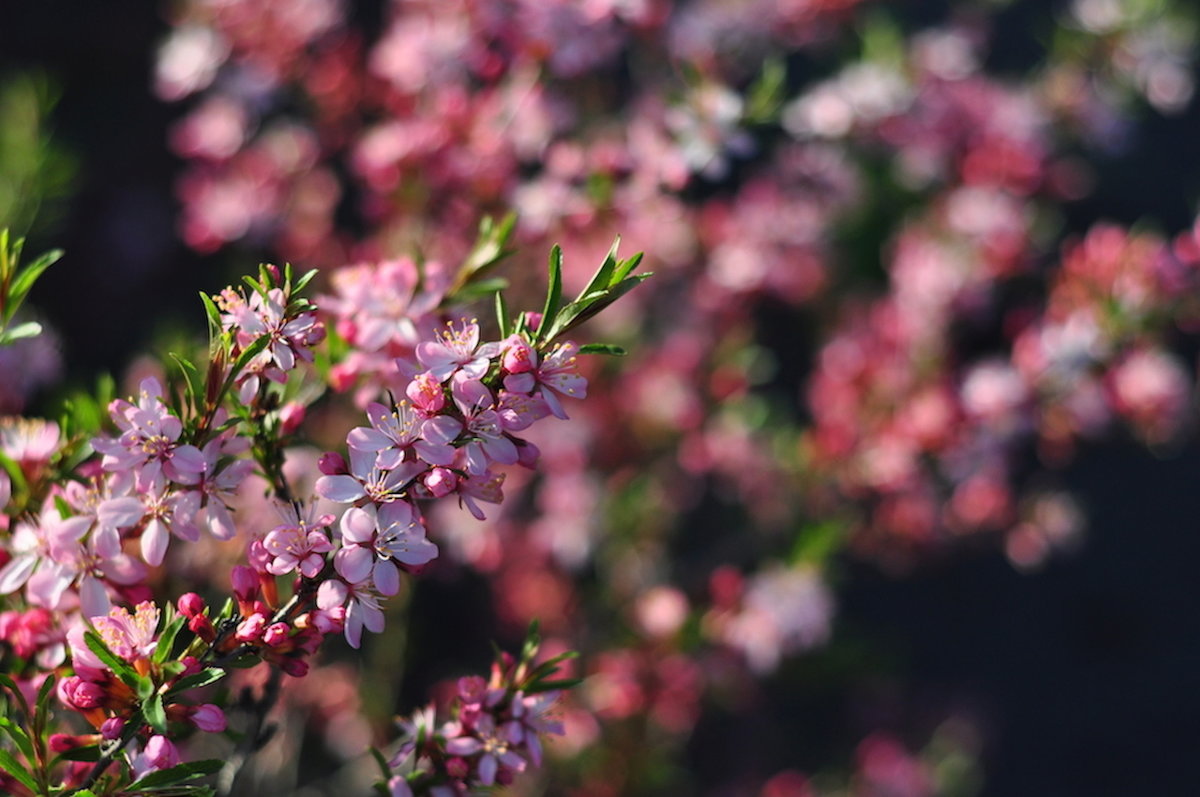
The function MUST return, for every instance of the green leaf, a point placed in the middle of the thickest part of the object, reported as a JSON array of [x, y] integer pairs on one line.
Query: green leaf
[[553, 293], [550, 686], [210, 308], [25, 279], [154, 713], [119, 666], [197, 680], [477, 290], [18, 735], [7, 682], [382, 762], [13, 768], [502, 316], [178, 774], [42, 706], [603, 348], [302, 283], [166, 640], [89, 752], [84, 793], [30, 329]]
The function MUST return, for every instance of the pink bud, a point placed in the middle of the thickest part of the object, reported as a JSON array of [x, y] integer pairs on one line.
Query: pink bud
[[83, 694], [251, 629], [112, 727], [332, 463], [209, 718], [441, 482], [259, 557], [426, 393], [190, 604], [276, 634], [245, 583], [518, 355], [458, 768], [62, 742], [291, 415], [191, 666], [160, 753]]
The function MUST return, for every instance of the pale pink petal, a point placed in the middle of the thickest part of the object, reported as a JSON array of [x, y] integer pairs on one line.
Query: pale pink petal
[[340, 489], [154, 542]]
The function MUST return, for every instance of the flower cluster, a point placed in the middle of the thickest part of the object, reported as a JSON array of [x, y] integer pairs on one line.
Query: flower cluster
[[495, 731], [463, 406]]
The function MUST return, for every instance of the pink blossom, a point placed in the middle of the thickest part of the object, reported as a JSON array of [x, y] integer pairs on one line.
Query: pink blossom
[[366, 480], [299, 544], [130, 635], [362, 607], [489, 442], [393, 433], [209, 718], [558, 375], [457, 351], [148, 446], [159, 753]]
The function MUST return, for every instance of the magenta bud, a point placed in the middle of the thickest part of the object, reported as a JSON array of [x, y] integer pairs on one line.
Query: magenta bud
[[518, 355], [291, 415], [276, 634], [259, 557], [112, 727], [62, 742], [83, 694], [332, 463], [251, 629], [245, 583], [190, 604], [191, 666], [161, 753], [297, 668], [209, 718]]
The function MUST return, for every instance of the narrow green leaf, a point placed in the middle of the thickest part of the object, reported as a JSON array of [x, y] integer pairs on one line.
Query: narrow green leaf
[[626, 266], [29, 329], [603, 348], [154, 713], [210, 309], [502, 316], [178, 774], [550, 686], [302, 283], [18, 735], [89, 752], [13, 768], [115, 663], [7, 682], [382, 762], [166, 640], [553, 292], [26, 277], [603, 276], [197, 680], [42, 706]]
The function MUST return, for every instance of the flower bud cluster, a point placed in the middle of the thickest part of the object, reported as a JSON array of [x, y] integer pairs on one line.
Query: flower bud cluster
[[109, 701]]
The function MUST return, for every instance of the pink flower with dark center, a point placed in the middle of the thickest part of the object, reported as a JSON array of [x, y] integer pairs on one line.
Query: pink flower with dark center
[[493, 745]]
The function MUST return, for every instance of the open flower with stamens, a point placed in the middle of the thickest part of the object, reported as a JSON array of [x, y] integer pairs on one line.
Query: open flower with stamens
[[362, 606], [394, 433], [148, 446], [457, 351], [558, 375], [375, 539], [299, 543]]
